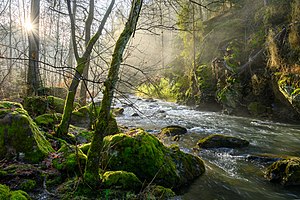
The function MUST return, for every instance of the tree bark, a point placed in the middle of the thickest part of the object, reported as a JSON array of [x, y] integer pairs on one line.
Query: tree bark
[[33, 76], [104, 119], [63, 127], [88, 25]]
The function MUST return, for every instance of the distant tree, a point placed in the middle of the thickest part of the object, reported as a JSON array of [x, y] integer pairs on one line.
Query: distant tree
[[88, 25], [33, 76]]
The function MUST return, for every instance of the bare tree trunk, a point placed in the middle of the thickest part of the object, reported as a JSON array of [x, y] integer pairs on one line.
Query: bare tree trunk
[[63, 127], [88, 25], [33, 77], [104, 120]]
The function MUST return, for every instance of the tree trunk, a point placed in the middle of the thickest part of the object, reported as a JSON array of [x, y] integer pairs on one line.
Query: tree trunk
[[63, 127], [33, 77], [88, 25], [104, 120]]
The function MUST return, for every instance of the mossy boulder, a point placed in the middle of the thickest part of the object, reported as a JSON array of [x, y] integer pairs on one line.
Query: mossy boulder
[[173, 130], [121, 180], [53, 91], [285, 172], [19, 135], [69, 159], [221, 141], [144, 155], [38, 105], [7, 194], [48, 121], [265, 159], [157, 192], [257, 109], [81, 117]]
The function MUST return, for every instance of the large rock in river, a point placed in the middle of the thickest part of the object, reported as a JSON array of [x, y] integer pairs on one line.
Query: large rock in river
[[19, 135], [144, 155], [173, 130], [221, 141], [286, 172]]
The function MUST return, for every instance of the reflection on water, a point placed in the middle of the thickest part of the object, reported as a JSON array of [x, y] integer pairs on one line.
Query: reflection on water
[[228, 173]]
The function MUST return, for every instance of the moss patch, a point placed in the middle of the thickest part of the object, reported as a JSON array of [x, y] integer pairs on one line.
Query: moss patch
[[28, 185], [48, 121], [69, 159], [6, 194]]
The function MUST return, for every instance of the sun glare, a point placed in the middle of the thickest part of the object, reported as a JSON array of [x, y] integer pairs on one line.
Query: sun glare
[[28, 26]]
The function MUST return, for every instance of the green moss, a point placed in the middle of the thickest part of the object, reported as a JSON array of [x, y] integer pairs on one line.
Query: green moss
[[6, 194], [151, 159], [36, 105], [28, 185], [173, 130], [121, 180], [20, 135], [160, 192], [48, 120], [220, 141], [68, 158], [286, 171], [19, 195], [3, 173], [85, 148]]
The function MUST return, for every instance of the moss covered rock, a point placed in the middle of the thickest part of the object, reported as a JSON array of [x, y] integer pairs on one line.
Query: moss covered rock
[[286, 171], [53, 91], [48, 121], [19, 135], [81, 117], [121, 180], [69, 159], [257, 109], [157, 192], [38, 105], [221, 141], [6, 194], [173, 130], [145, 156]]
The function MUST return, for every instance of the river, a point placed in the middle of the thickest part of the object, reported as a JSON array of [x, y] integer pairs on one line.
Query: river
[[229, 174]]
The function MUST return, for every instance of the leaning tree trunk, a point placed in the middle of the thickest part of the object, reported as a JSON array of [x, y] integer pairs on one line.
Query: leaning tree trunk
[[104, 118], [63, 127]]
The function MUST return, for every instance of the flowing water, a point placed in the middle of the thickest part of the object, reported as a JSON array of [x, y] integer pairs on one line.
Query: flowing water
[[229, 174]]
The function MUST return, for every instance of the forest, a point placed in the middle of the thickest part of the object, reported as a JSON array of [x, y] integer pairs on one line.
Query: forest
[[149, 99]]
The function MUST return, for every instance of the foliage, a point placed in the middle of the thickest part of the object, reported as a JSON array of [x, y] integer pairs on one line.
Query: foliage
[[165, 89]]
